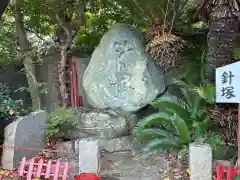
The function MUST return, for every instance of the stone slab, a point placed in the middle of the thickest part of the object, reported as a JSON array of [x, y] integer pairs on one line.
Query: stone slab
[[126, 143], [26, 132]]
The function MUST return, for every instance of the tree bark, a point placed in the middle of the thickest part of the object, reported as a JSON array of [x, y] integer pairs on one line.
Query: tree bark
[[69, 28], [221, 38], [32, 83], [28, 61], [63, 79]]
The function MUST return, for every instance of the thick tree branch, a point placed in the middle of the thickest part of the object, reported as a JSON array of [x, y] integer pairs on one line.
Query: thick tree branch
[[78, 22], [20, 30], [71, 28], [63, 26]]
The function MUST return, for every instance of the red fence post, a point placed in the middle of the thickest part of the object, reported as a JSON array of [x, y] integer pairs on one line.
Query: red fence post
[[230, 173], [22, 166], [39, 169], [56, 173], [49, 165], [30, 169], [65, 171], [219, 172]]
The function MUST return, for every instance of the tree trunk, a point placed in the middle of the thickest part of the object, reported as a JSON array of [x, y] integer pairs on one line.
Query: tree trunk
[[68, 28], [221, 37], [32, 83], [28, 61], [63, 79]]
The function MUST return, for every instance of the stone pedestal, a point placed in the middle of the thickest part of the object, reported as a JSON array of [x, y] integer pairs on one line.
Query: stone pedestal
[[200, 159], [89, 155], [99, 124]]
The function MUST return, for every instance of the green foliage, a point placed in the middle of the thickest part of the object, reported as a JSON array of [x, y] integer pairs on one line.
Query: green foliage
[[8, 50], [8, 107], [236, 177], [206, 92], [5, 101], [98, 19], [214, 140], [59, 122], [167, 129], [178, 123]]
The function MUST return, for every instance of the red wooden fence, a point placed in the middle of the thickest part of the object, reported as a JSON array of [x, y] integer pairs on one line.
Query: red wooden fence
[[226, 173], [51, 169]]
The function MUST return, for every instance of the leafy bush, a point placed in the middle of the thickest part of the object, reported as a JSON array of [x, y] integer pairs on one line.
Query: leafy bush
[[164, 130], [214, 140], [60, 121], [8, 107], [176, 124], [5, 101]]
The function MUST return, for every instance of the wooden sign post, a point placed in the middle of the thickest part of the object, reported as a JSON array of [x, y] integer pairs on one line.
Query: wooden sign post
[[228, 90]]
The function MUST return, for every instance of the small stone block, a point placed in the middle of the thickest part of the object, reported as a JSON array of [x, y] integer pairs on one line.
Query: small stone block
[[89, 155], [200, 159]]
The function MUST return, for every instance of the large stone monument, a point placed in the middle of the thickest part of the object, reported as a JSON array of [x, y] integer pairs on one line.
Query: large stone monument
[[121, 75]]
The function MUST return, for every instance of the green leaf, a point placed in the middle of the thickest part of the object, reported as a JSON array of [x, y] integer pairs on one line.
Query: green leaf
[[206, 92], [195, 107], [156, 118], [171, 107], [187, 97], [157, 144], [182, 129], [150, 133]]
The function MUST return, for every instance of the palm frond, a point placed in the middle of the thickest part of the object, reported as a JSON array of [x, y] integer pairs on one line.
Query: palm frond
[[151, 133], [161, 144], [182, 129], [206, 92], [153, 119], [170, 107]]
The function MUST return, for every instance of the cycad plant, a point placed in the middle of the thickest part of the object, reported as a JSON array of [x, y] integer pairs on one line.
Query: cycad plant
[[165, 130], [164, 18], [175, 125]]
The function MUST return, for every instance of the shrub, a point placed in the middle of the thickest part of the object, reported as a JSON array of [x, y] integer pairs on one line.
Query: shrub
[[59, 122], [176, 124], [6, 102], [8, 107]]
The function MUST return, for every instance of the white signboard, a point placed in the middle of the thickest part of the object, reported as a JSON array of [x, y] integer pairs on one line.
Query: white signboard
[[228, 83]]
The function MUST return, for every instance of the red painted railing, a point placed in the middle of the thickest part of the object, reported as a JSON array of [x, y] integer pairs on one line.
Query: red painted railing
[[51, 169], [77, 100], [226, 173]]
